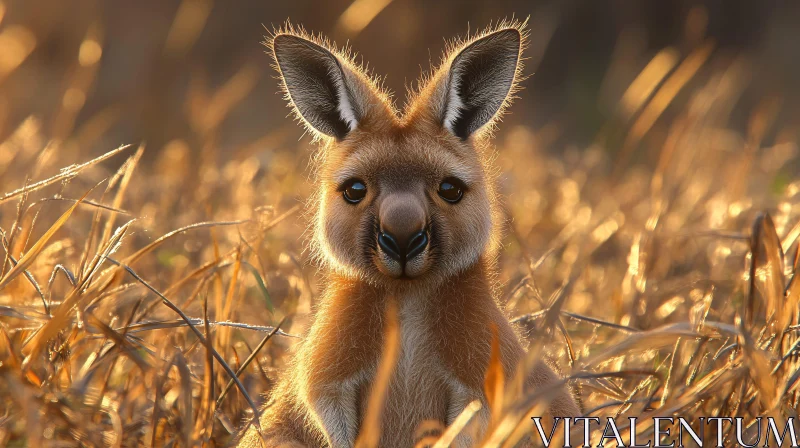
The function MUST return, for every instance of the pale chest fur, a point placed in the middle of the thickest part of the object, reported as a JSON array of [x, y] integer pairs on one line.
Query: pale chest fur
[[422, 388]]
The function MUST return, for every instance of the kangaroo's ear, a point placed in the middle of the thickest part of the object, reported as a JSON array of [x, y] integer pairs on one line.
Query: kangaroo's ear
[[325, 92], [479, 80]]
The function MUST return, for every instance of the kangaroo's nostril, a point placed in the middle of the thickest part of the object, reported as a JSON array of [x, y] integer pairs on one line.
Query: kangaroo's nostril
[[389, 246], [417, 244]]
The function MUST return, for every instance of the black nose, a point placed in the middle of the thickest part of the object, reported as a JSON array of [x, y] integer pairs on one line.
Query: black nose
[[415, 245]]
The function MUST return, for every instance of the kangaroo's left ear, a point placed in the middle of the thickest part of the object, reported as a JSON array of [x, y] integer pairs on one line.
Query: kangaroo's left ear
[[332, 96], [479, 80]]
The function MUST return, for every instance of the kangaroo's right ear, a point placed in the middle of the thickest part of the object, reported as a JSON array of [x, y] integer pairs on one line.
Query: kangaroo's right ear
[[330, 96], [479, 81]]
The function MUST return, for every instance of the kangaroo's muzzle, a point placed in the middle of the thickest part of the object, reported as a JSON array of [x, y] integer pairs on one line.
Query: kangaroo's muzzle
[[402, 234]]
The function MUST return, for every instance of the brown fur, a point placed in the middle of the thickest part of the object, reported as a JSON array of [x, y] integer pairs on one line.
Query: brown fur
[[446, 298]]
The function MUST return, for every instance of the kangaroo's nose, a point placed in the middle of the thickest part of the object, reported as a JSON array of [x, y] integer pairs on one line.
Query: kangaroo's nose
[[403, 252], [402, 234]]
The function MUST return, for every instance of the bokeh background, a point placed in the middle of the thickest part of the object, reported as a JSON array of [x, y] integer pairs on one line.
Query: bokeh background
[[651, 153], [582, 55]]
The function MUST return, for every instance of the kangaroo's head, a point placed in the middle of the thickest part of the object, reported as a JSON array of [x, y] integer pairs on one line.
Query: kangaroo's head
[[402, 196]]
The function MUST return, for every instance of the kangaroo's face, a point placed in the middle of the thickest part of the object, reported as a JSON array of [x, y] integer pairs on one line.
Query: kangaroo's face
[[401, 197], [403, 204]]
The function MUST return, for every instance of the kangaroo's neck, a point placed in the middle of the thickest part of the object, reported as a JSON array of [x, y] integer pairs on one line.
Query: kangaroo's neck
[[455, 313], [475, 281]]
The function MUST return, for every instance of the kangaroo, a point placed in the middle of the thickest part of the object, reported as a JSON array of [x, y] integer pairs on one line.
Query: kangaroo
[[405, 210]]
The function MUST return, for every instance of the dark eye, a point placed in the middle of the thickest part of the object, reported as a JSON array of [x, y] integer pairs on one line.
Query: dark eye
[[354, 191], [451, 190]]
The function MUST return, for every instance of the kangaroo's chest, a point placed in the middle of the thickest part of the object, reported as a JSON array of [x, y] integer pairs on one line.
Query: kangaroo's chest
[[422, 389]]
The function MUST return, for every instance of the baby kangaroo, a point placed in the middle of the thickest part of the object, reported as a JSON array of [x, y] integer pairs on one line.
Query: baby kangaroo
[[405, 210]]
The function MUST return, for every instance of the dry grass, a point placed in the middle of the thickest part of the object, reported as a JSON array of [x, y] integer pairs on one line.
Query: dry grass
[[657, 265]]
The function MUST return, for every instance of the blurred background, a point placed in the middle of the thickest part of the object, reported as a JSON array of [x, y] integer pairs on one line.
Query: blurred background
[[154, 53], [636, 164]]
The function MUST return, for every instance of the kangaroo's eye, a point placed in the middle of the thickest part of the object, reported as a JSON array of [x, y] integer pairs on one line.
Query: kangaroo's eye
[[354, 191], [451, 190]]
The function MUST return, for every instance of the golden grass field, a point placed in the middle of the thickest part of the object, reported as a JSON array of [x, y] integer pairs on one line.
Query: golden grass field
[[656, 265]]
